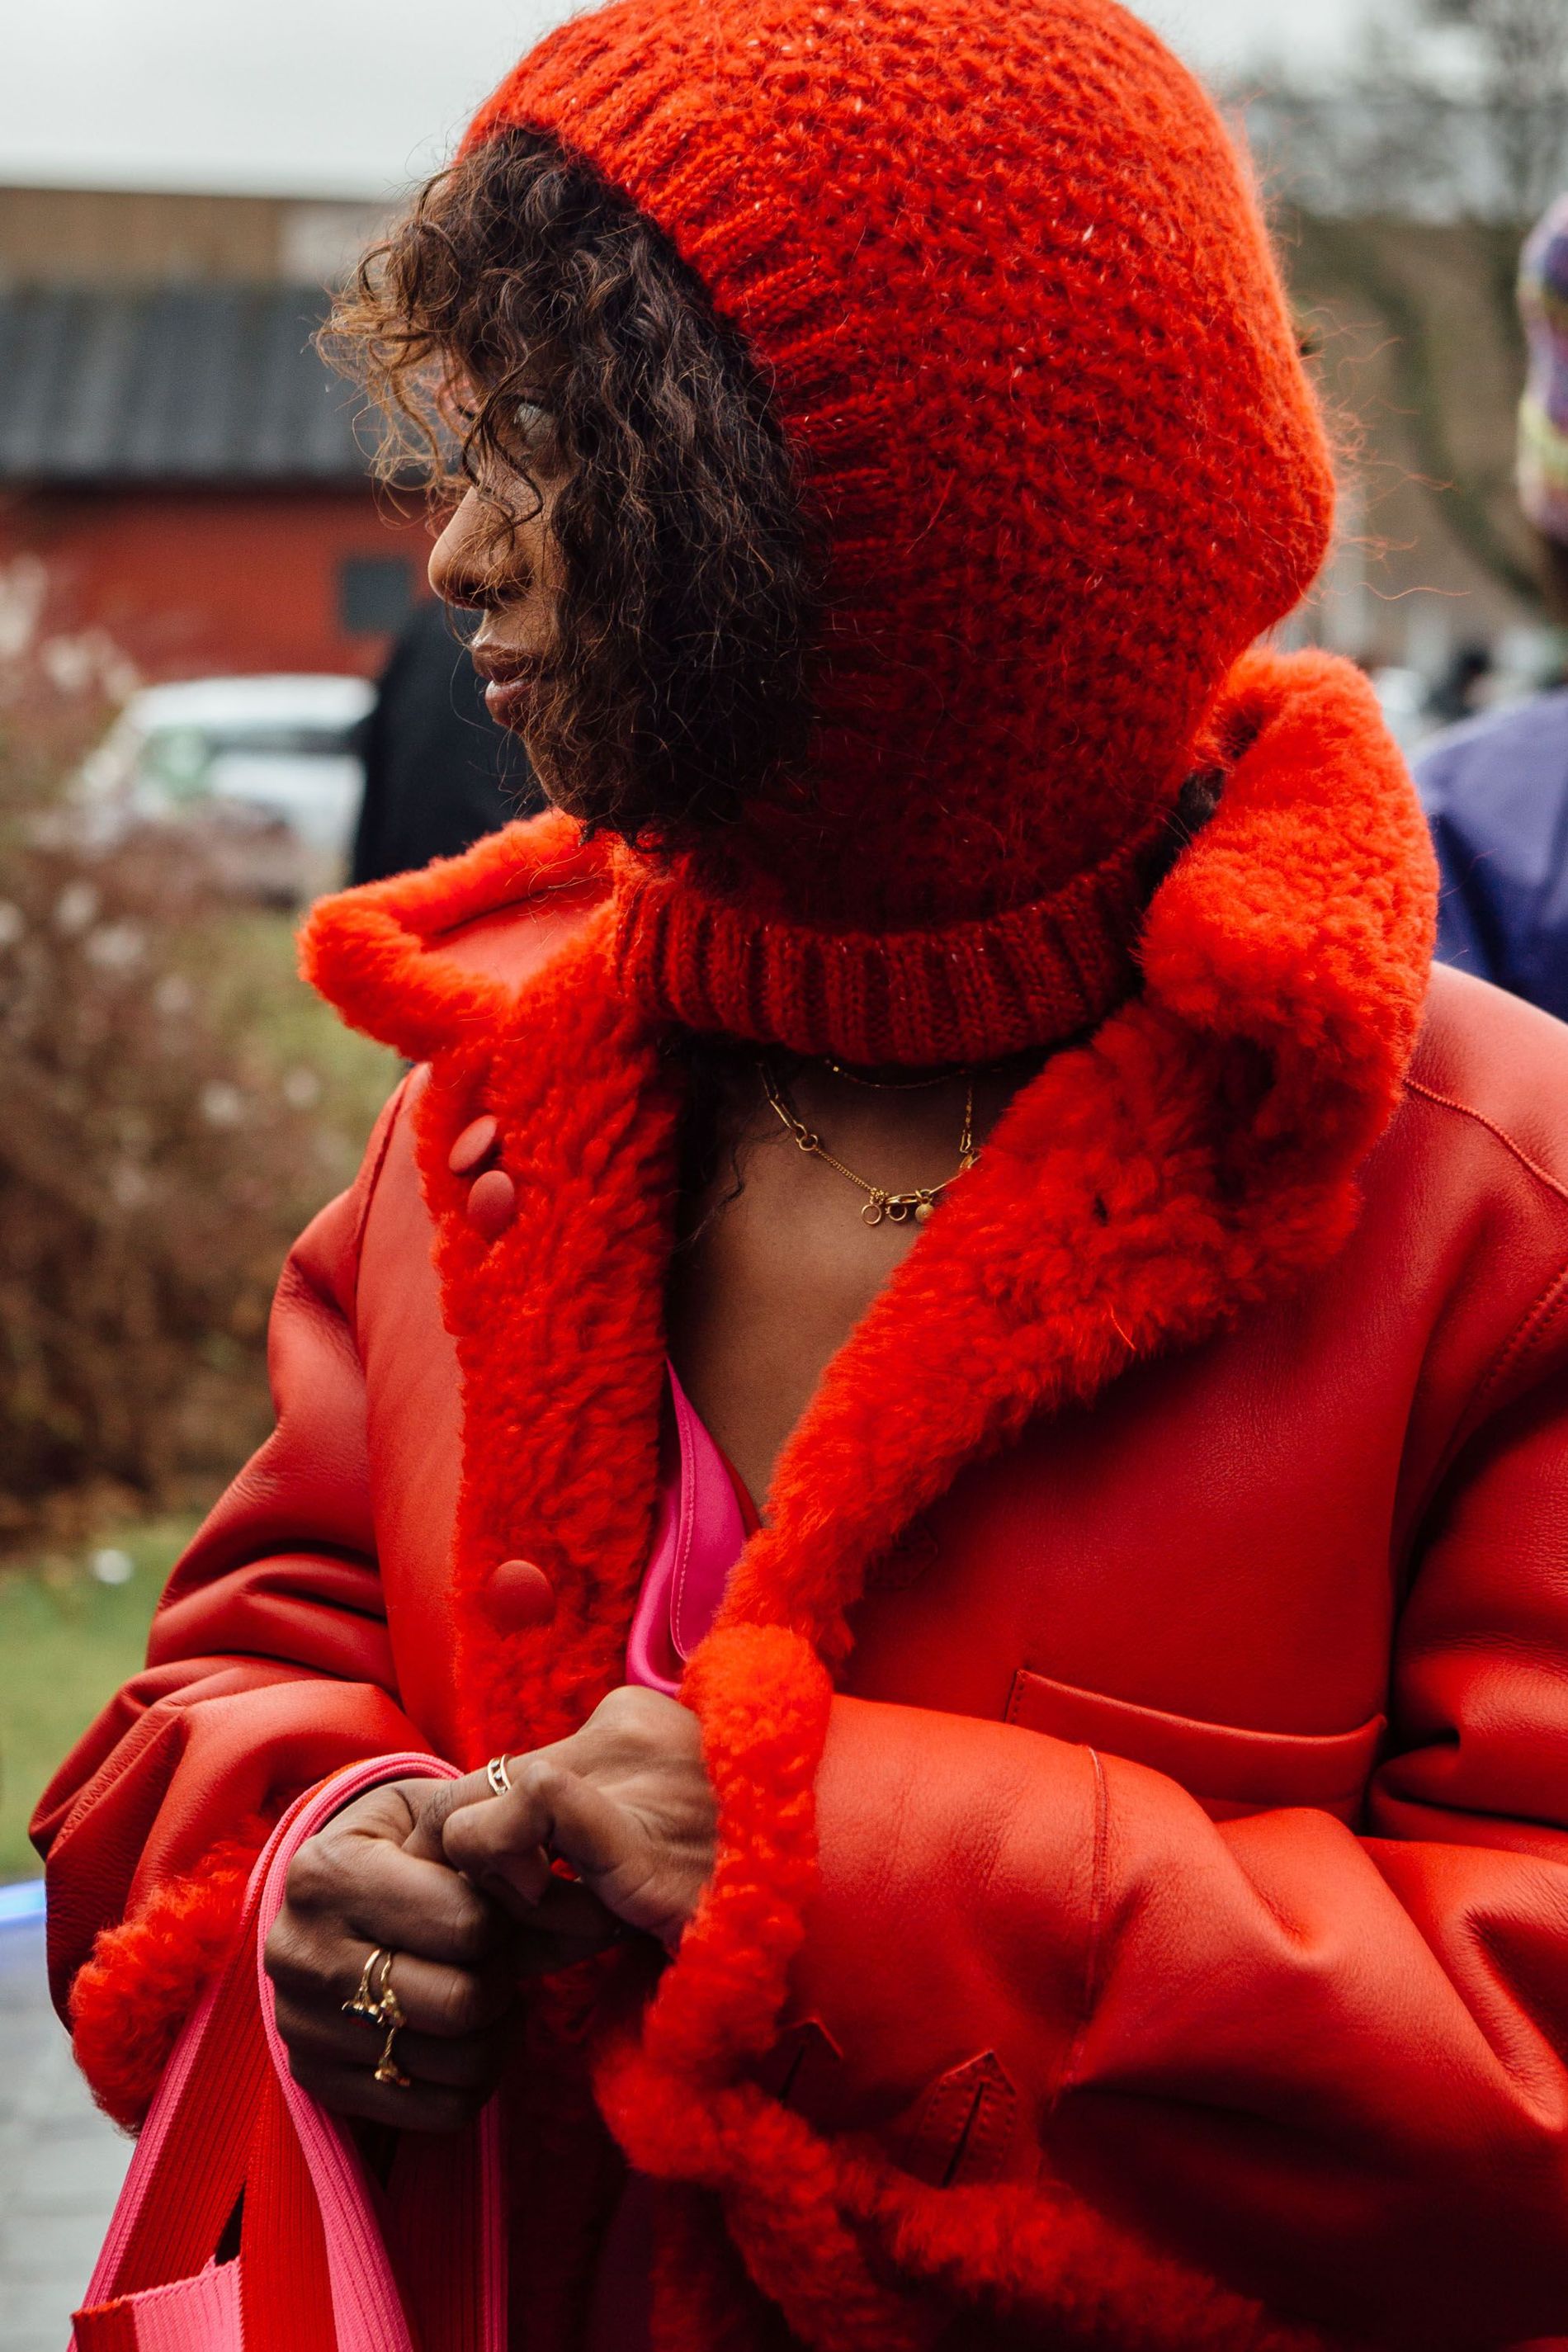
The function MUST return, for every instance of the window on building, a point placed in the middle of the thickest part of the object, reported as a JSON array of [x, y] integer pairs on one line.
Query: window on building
[[375, 593]]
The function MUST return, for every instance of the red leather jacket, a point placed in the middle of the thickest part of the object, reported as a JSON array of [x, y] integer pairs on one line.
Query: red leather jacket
[[1141, 1724]]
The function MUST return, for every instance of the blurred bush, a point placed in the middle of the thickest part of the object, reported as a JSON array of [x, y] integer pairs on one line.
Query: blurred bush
[[173, 1108]]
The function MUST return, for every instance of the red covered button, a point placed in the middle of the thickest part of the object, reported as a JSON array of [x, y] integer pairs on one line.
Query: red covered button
[[492, 1202], [477, 1141], [518, 1596]]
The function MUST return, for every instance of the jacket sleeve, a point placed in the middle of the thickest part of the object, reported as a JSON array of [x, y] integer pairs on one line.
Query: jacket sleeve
[[1467, 933], [268, 1666], [1329, 2068]]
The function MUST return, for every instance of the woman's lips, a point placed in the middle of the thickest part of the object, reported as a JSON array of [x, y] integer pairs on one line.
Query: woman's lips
[[507, 700], [511, 687]]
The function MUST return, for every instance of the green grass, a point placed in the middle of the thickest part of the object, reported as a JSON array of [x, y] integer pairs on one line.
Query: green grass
[[67, 1642]]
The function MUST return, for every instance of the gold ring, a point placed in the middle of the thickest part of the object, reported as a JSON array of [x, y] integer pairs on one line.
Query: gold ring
[[389, 2013], [499, 1777], [367, 2001]]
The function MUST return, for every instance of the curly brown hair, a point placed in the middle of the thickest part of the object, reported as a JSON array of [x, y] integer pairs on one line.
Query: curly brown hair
[[520, 281]]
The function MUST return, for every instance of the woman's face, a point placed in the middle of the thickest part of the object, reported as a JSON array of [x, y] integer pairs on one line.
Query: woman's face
[[498, 556]]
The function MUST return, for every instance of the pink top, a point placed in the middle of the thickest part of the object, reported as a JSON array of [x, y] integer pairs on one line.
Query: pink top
[[704, 1518], [701, 1526]]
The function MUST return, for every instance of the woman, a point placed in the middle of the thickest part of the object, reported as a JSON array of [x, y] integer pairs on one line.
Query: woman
[[938, 1162]]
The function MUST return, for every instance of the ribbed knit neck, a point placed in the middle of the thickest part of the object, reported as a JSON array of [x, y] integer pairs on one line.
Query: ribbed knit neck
[[960, 993]]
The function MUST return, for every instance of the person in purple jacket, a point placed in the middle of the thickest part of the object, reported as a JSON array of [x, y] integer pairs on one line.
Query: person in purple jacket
[[1496, 788]]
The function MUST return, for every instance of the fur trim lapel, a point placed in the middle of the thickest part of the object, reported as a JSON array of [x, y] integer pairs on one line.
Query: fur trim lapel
[[380, 953], [559, 1325], [1198, 1156]]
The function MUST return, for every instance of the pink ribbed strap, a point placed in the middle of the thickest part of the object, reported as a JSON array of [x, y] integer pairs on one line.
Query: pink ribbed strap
[[202, 2313]]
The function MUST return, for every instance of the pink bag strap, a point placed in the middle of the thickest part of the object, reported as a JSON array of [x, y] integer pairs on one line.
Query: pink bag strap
[[229, 2115]]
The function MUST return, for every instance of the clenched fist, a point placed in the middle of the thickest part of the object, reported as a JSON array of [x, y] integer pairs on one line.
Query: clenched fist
[[626, 1802], [375, 1876]]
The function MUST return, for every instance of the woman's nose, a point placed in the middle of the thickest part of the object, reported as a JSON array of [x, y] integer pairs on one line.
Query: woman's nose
[[457, 569]]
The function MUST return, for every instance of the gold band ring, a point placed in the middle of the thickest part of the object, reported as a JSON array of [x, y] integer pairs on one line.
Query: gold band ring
[[499, 1777], [387, 2069], [367, 2001], [376, 2001]]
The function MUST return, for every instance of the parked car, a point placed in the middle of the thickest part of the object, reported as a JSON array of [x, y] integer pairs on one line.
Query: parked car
[[268, 768]]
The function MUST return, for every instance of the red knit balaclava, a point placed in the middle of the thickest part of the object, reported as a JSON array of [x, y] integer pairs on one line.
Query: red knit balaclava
[[1008, 278]]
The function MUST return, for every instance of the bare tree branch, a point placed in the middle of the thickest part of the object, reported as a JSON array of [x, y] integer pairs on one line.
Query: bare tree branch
[[1455, 109]]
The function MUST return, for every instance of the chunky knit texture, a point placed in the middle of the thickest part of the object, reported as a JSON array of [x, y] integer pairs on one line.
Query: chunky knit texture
[[1005, 274]]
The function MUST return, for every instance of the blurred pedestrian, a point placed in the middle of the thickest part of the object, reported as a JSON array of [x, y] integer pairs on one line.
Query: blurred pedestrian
[[1458, 693], [438, 773], [1495, 787]]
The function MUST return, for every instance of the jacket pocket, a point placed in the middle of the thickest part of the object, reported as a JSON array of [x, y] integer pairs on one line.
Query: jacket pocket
[[965, 2133], [1231, 1772]]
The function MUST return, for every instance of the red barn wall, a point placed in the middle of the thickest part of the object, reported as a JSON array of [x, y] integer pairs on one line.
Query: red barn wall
[[194, 583]]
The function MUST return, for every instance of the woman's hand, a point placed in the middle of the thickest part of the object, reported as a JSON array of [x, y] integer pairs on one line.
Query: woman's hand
[[626, 1801], [364, 1880], [457, 1884]]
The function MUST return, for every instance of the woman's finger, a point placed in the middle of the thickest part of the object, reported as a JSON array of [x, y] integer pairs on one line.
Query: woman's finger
[[447, 2002], [568, 1908], [354, 2090], [569, 1924], [548, 1806], [433, 1803], [330, 2039], [385, 1895]]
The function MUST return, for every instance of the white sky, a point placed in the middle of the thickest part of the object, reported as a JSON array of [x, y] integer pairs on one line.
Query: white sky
[[357, 97]]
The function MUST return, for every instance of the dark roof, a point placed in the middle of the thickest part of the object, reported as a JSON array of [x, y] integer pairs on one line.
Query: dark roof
[[171, 384]]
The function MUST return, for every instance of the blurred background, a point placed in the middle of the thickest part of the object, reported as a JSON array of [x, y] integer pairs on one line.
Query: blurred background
[[200, 590]]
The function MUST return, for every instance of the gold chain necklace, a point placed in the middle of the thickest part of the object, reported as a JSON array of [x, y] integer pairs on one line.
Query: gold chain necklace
[[896, 1208], [891, 1085]]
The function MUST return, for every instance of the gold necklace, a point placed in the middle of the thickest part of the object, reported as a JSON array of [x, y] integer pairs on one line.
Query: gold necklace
[[892, 1086], [896, 1208]]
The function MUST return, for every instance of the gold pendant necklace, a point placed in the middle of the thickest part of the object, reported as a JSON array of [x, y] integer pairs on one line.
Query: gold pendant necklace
[[896, 1208]]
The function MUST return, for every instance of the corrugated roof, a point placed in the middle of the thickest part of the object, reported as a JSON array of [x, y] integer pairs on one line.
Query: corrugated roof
[[171, 384]]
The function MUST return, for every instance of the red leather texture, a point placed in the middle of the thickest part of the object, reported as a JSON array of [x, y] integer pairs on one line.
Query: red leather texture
[[1192, 1824]]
